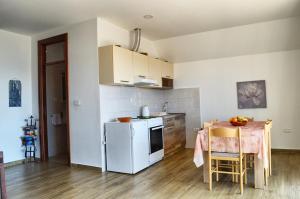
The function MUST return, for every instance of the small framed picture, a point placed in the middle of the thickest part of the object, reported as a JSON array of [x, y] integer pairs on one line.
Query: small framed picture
[[15, 93]]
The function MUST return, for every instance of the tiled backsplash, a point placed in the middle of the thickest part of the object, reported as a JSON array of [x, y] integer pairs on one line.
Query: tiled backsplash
[[116, 101], [186, 101]]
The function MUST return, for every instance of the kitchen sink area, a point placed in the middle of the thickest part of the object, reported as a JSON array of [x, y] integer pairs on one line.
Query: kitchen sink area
[[179, 110]]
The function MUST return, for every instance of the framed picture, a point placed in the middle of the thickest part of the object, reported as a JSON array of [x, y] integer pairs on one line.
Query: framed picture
[[251, 94], [15, 93]]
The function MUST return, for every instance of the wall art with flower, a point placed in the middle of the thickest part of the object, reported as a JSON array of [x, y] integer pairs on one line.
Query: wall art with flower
[[251, 94]]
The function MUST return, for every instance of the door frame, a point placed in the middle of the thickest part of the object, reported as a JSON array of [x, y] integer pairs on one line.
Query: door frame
[[42, 93]]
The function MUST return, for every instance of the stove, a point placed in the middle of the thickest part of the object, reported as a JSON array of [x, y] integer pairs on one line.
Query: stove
[[156, 138]]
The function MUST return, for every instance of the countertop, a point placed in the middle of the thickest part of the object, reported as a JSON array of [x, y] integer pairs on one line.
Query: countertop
[[170, 115]]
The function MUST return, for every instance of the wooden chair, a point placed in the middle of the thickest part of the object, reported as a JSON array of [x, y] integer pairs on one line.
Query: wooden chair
[[268, 171], [2, 176], [238, 158], [270, 125], [210, 123], [250, 119], [250, 157]]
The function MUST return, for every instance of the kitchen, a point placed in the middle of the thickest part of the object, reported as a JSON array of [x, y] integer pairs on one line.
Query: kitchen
[[176, 111]]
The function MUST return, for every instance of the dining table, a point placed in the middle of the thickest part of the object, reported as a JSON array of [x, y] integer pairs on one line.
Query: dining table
[[253, 139]]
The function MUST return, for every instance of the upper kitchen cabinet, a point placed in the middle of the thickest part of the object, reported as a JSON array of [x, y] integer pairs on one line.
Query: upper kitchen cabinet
[[120, 66], [140, 64], [167, 70], [115, 65], [155, 71]]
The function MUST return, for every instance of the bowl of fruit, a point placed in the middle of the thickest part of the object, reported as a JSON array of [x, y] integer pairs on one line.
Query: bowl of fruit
[[238, 121]]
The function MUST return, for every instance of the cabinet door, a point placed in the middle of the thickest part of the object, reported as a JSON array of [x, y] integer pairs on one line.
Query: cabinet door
[[167, 70], [140, 145], [123, 68], [155, 69], [140, 65], [180, 131]]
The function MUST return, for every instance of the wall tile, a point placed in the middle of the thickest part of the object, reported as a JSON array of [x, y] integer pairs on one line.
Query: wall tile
[[117, 101]]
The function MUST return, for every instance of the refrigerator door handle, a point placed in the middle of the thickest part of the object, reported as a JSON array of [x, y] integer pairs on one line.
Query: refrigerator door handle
[[132, 131]]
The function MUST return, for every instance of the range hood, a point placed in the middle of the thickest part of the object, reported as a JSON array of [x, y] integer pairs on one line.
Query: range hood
[[143, 81]]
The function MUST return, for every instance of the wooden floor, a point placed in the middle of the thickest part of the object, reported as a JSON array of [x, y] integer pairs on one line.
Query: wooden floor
[[174, 177]]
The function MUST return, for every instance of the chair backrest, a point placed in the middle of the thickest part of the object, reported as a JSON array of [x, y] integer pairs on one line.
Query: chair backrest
[[210, 123], [269, 122], [250, 119], [224, 133], [207, 124], [268, 126]]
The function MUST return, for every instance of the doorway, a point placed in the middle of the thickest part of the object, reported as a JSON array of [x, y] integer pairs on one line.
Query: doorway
[[53, 99]]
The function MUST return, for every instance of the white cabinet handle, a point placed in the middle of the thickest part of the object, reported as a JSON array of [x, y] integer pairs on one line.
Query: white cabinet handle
[[124, 81]]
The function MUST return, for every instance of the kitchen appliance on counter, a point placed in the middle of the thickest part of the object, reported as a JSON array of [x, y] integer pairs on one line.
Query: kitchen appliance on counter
[[145, 111], [134, 146]]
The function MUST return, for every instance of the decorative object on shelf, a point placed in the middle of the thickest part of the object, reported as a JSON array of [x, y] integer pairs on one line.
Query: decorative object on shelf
[[29, 138], [15, 93], [252, 94], [238, 121]]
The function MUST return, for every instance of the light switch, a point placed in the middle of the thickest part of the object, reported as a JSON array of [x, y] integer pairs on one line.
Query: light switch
[[76, 102], [287, 131]]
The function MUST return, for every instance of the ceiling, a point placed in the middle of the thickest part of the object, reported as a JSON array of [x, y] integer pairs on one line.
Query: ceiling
[[171, 17]]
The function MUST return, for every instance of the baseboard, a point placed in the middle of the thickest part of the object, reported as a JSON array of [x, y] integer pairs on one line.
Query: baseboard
[[86, 167], [285, 150], [17, 162], [14, 163]]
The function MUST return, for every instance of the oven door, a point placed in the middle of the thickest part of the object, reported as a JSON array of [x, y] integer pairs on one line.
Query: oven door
[[156, 139]]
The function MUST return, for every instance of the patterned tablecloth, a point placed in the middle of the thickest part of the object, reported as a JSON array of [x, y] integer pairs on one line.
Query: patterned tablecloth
[[253, 141]]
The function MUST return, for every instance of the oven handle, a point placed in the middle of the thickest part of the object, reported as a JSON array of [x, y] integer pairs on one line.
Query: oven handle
[[159, 127]]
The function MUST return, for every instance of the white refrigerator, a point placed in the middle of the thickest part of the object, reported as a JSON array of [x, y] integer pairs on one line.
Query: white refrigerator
[[127, 146]]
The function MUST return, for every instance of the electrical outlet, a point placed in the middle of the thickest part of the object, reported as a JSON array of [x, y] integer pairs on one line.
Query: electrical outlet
[[287, 131], [196, 129]]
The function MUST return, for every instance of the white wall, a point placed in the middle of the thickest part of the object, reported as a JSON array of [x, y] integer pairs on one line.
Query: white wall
[[278, 35], [14, 64], [217, 81], [83, 86], [216, 60], [109, 33]]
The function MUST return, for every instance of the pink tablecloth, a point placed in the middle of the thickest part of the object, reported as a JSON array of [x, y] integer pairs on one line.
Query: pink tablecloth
[[253, 141]]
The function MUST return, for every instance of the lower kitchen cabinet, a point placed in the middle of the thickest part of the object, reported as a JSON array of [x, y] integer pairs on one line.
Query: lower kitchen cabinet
[[174, 133]]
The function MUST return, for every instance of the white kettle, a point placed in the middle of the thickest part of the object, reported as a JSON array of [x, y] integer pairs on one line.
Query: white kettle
[[145, 111]]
